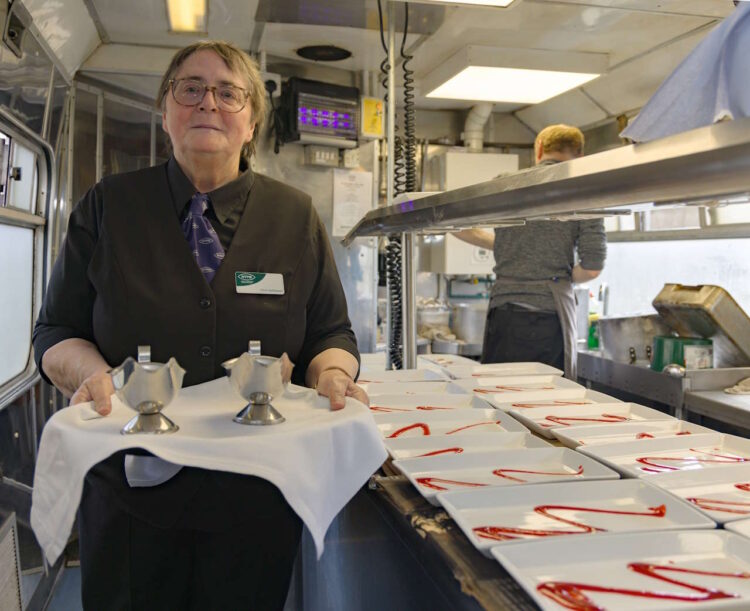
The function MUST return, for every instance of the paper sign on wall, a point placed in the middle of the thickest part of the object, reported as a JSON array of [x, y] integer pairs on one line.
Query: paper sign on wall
[[352, 199]]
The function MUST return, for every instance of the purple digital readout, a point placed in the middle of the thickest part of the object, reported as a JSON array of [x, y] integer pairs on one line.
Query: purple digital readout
[[324, 118]]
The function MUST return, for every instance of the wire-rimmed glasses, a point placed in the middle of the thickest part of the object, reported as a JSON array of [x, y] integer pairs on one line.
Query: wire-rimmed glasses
[[190, 92]]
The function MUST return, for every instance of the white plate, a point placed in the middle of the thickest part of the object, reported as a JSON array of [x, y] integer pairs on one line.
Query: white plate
[[385, 404], [491, 516], [520, 388], [476, 370], [504, 468], [741, 527], [410, 388], [450, 422], [446, 360], [723, 493], [466, 443], [399, 375], [649, 457], [588, 397], [544, 420], [604, 561], [627, 431]]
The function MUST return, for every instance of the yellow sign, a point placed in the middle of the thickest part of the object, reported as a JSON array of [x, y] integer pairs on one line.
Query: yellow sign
[[373, 117]]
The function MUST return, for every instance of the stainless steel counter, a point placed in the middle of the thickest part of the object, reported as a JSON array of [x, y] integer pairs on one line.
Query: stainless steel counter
[[699, 391]]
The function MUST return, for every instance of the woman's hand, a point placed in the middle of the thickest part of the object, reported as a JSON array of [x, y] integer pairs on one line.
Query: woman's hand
[[97, 388], [337, 385]]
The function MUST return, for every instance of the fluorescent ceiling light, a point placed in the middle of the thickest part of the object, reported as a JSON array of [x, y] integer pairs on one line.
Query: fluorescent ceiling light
[[521, 76], [487, 84], [187, 15], [500, 3]]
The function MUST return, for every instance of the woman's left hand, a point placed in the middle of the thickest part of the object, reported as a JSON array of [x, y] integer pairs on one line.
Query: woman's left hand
[[336, 385]]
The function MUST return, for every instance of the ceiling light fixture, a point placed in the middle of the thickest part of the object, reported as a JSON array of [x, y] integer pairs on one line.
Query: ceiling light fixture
[[187, 15], [522, 76]]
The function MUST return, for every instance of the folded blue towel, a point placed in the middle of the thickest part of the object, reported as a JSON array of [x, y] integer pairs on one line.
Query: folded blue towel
[[711, 84]]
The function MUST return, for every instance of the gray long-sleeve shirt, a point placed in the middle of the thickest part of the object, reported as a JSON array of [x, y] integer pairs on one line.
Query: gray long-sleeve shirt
[[542, 250]]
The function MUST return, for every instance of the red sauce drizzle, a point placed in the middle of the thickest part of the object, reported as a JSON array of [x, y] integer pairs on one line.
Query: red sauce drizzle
[[571, 595], [504, 533], [644, 436], [469, 426], [655, 467], [417, 425], [445, 451], [564, 420], [378, 408], [431, 407], [438, 483], [722, 505], [554, 403], [502, 472]]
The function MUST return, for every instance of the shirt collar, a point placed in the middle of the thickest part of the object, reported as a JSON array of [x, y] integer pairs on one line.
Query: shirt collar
[[224, 200]]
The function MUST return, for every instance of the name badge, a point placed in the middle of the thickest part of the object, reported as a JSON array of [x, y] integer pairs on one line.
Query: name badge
[[258, 283]]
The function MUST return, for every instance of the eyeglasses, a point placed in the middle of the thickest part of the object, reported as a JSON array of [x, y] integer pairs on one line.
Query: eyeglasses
[[189, 92]]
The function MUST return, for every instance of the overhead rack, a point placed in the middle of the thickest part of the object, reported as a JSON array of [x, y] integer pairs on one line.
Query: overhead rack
[[706, 164]]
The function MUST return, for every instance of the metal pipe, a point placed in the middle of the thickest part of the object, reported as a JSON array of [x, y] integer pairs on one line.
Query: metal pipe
[[408, 299], [99, 136], [391, 110], [48, 104], [69, 169]]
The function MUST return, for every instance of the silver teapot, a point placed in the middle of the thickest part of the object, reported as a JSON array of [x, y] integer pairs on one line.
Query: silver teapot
[[147, 388], [257, 379]]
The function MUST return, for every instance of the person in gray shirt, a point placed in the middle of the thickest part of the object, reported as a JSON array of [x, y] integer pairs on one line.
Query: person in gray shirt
[[532, 308]]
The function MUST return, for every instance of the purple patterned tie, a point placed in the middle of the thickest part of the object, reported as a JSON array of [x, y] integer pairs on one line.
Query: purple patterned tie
[[202, 238]]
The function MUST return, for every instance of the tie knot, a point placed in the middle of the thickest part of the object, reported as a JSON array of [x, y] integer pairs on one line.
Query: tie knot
[[199, 204]]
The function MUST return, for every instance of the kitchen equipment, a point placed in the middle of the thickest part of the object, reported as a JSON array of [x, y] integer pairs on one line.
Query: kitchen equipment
[[147, 388], [628, 339], [708, 311], [688, 352], [469, 320]]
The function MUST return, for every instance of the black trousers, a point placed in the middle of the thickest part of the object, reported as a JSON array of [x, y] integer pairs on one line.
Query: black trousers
[[127, 563], [513, 334]]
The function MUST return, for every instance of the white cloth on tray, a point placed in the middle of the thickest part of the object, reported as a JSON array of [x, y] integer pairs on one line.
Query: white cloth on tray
[[709, 85], [317, 458]]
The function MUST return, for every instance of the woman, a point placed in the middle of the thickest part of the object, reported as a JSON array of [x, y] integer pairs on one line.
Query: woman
[[152, 257]]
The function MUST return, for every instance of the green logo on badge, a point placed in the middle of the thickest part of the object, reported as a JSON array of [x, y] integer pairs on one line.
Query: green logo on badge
[[247, 278]]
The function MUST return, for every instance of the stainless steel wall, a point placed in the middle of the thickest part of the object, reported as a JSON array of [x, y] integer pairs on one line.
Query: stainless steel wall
[[357, 264]]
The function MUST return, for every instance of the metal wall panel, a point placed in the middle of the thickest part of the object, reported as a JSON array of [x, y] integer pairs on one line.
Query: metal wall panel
[[357, 264]]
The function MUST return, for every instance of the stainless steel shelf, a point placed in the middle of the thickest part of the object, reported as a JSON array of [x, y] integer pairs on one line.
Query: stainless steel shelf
[[704, 164]]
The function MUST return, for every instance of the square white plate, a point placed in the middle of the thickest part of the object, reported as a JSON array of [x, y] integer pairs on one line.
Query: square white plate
[[608, 561], [452, 422], [598, 434], [410, 388], [477, 370], [399, 375], [723, 493], [649, 457], [491, 516], [741, 527], [466, 443], [544, 420], [520, 388], [385, 404], [504, 468], [446, 360], [588, 397]]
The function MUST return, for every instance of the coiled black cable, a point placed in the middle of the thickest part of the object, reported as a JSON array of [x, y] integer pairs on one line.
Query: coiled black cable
[[410, 142], [393, 246]]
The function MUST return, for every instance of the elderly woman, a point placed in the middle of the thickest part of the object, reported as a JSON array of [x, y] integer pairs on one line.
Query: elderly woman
[[152, 257]]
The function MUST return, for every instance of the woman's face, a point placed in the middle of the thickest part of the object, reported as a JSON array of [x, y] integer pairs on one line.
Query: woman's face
[[205, 129]]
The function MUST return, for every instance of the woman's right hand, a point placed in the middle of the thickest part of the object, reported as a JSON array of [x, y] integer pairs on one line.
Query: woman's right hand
[[97, 388]]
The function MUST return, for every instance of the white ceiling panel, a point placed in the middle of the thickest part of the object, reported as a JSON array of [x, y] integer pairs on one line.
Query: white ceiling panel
[[572, 108], [630, 86]]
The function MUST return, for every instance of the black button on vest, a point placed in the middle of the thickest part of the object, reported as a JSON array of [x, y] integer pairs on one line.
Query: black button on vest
[[206, 351], [205, 303]]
